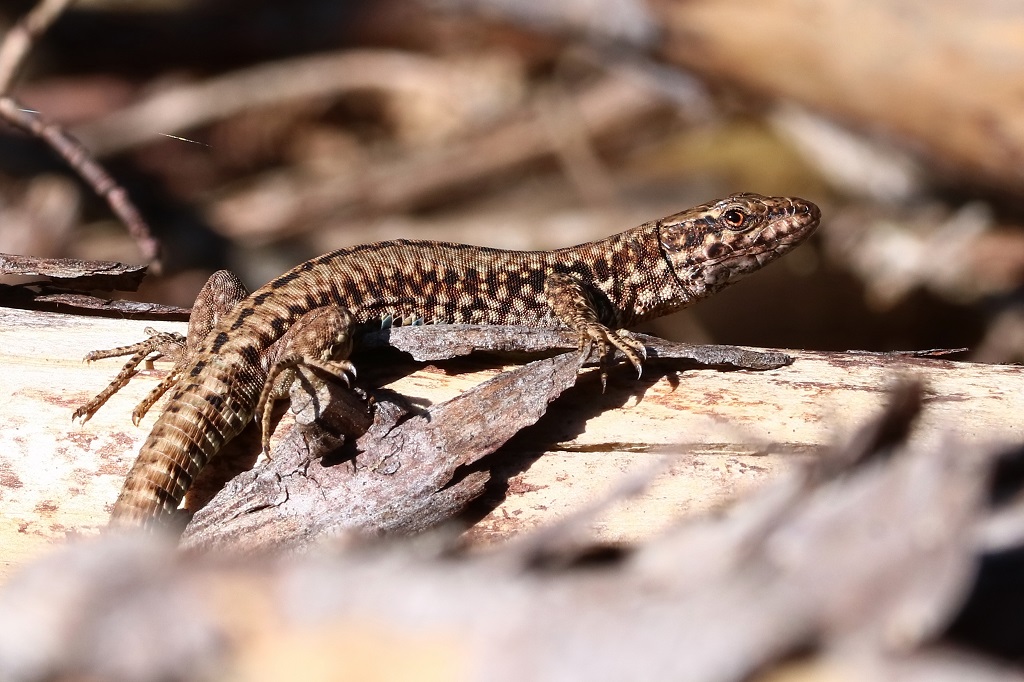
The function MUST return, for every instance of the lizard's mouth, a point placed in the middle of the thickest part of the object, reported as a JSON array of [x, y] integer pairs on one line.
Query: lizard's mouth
[[772, 240]]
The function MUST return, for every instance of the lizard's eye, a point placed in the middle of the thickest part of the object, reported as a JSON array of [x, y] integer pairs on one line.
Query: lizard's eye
[[734, 217]]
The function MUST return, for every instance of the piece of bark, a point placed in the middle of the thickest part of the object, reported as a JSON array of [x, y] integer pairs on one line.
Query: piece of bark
[[37, 297], [406, 477], [424, 345], [290, 504], [66, 275], [85, 304], [72, 273]]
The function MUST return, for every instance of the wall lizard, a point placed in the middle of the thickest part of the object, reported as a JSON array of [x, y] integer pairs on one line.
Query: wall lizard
[[242, 351]]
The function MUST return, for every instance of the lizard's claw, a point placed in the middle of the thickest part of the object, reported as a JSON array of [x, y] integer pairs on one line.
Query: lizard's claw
[[607, 340], [346, 371], [631, 347]]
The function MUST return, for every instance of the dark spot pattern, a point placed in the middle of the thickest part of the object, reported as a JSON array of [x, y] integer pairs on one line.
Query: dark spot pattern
[[243, 315], [250, 354], [285, 279], [715, 250], [218, 343]]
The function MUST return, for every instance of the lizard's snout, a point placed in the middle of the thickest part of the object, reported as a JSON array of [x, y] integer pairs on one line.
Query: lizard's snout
[[807, 208]]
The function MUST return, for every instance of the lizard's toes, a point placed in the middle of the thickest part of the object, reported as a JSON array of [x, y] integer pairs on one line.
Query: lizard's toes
[[632, 348], [265, 432], [347, 372], [264, 457], [586, 347]]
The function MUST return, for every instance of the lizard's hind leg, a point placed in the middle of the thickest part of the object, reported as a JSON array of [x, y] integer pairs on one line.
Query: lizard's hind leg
[[221, 293], [321, 341]]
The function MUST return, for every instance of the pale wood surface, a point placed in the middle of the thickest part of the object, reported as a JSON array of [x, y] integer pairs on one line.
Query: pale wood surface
[[718, 434]]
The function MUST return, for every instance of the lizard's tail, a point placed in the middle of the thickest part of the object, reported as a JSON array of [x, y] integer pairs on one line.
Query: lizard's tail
[[198, 420]]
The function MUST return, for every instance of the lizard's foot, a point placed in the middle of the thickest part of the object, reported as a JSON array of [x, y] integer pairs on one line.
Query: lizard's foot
[[607, 340], [283, 374], [167, 344], [577, 305], [143, 407], [309, 346], [221, 293]]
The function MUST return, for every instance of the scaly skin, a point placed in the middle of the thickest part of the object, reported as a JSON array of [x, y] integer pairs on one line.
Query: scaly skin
[[309, 316]]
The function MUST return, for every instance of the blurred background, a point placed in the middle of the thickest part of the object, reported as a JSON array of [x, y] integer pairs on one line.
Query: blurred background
[[255, 134]]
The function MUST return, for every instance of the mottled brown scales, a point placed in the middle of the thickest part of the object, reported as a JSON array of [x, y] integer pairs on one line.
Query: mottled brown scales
[[243, 352]]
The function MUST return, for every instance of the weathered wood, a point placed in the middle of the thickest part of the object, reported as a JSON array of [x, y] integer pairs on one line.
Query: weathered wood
[[718, 434], [858, 565]]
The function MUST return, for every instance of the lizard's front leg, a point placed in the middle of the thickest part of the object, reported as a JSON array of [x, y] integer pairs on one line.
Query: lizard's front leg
[[574, 305], [221, 293], [319, 341]]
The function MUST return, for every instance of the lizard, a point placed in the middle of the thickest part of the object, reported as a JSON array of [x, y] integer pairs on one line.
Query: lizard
[[242, 350]]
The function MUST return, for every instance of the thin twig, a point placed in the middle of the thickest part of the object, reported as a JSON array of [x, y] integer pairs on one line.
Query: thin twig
[[19, 39], [79, 158], [15, 46]]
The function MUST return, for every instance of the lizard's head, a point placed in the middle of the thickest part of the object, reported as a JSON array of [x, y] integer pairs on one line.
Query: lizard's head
[[713, 245]]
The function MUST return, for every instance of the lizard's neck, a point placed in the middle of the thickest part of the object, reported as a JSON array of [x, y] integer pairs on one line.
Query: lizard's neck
[[631, 270]]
